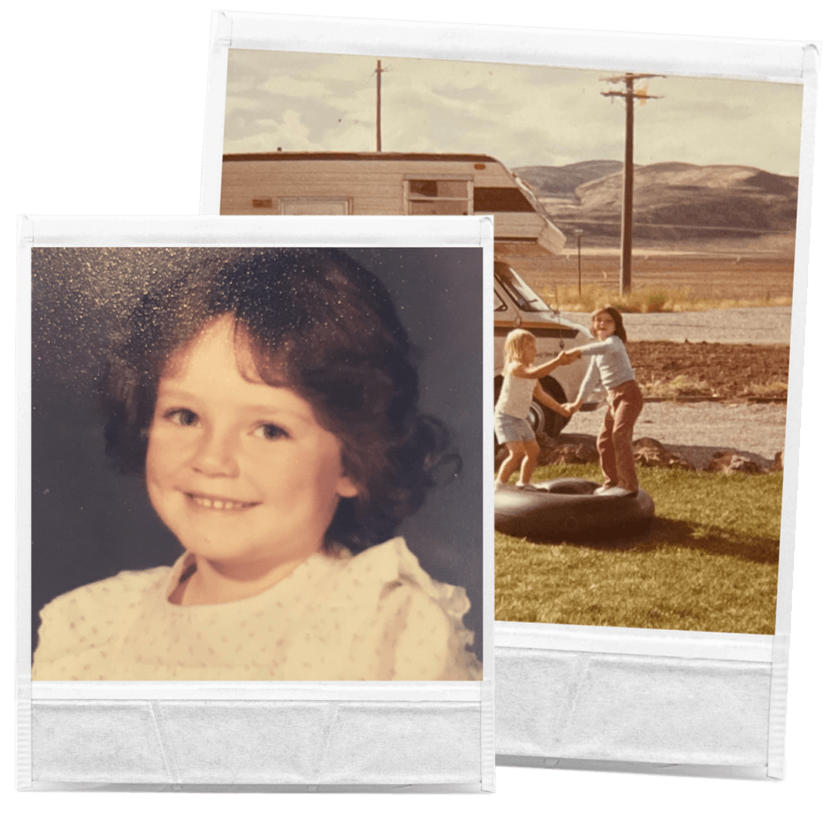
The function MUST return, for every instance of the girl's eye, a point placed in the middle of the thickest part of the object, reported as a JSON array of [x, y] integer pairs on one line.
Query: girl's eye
[[271, 432], [184, 418]]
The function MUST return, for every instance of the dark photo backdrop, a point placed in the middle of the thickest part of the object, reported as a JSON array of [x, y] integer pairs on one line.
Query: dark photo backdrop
[[89, 522]]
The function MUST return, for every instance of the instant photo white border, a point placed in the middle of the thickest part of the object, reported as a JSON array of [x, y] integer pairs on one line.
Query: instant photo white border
[[205, 231], [584, 696]]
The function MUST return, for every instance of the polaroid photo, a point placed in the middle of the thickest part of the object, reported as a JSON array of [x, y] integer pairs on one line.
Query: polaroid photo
[[252, 550], [651, 200]]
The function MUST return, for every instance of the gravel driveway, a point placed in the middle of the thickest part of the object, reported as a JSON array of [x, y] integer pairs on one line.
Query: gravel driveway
[[697, 430], [758, 325]]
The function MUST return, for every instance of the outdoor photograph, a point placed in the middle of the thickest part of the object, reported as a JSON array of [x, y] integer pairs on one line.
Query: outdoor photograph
[[256, 464], [644, 241]]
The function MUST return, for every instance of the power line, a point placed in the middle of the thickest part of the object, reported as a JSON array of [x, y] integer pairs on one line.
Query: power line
[[630, 94]]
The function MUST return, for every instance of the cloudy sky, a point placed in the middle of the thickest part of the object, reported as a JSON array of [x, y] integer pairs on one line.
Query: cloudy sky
[[522, 115]]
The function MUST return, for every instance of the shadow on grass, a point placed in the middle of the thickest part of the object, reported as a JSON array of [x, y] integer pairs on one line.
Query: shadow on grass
[[666, 533]]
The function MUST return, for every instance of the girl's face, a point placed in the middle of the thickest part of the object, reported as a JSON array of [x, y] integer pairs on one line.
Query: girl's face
[[604, 325], [528, 350], [240, 471]]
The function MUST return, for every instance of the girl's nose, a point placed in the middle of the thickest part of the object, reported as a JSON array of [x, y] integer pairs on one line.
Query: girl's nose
[[216, 456]]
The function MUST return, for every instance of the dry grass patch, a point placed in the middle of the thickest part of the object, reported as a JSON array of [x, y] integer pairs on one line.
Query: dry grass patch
[[648, 299]]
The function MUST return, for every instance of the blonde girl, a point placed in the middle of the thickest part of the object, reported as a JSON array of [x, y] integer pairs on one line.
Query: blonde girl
[[611, 367], [519, 388]]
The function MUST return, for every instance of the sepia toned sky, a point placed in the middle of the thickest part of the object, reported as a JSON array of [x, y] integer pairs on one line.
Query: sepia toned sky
[[522, 115]]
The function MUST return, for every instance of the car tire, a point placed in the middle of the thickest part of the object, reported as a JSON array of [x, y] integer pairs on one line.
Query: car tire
[[544, 420]]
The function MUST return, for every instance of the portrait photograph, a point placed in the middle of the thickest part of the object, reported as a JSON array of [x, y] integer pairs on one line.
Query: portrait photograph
[[256, 464]]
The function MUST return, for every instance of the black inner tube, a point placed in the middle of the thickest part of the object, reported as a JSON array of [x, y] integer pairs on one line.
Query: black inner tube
[[567, 509]]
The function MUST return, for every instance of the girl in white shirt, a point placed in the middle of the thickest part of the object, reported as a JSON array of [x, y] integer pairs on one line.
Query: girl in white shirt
[[519, 388], [269, 400]]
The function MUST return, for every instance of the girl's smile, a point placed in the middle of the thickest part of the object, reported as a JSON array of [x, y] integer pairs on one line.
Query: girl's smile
[[604, 326], [241, 471], [220, 504]]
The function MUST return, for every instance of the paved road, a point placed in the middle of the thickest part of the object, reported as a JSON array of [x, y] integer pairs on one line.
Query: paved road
[[758, 325]]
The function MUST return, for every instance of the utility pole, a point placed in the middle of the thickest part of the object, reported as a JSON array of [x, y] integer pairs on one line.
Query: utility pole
[[378, 71], [629, 95], [578, 232]]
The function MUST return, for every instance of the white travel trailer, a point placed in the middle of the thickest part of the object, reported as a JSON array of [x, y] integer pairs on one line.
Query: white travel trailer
[[327, 183], [390, 183]]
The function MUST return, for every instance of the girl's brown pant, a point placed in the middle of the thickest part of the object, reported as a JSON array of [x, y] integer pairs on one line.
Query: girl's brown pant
[[616, 456]]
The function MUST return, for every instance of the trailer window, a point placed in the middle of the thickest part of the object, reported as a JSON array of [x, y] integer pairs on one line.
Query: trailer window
[[438, 197], [500, 200], [498, 303]]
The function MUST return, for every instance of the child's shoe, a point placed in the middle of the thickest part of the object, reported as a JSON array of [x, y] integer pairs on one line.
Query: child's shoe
[[619, 492], [532, 487]]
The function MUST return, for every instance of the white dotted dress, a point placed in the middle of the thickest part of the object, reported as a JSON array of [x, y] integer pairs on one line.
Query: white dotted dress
[[373, 616]]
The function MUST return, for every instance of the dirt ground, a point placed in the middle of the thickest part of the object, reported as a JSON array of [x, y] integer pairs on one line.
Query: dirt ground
[[746, 410], [724, 371], [700, 431]]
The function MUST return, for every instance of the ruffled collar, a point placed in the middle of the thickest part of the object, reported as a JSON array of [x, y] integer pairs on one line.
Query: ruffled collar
[[386, 563]]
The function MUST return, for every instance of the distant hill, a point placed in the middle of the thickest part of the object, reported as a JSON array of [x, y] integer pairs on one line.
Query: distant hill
[[674, 202], [562, 181]]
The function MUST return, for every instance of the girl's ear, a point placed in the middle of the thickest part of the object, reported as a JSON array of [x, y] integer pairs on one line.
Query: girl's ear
[[346, 488]]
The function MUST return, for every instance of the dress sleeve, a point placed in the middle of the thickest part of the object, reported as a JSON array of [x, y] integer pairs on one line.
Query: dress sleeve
[[414, 638], [87, 618], [404, 625]]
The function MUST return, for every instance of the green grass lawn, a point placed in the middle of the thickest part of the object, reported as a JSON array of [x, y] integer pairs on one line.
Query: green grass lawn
[[709, 562]]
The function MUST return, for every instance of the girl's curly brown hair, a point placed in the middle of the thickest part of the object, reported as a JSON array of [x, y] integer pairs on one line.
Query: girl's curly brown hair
[[318, 320]]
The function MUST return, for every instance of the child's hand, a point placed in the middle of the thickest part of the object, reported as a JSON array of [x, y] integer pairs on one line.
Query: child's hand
[[570, 408]]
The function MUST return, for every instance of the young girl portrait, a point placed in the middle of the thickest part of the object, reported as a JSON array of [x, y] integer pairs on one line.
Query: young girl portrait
[[611, 368], [269, 453], [519, 388]]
